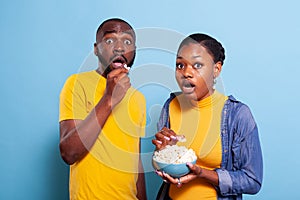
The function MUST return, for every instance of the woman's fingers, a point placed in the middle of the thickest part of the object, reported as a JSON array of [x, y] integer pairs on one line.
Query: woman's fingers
[[169, 179], [197, 170], [167, 136]]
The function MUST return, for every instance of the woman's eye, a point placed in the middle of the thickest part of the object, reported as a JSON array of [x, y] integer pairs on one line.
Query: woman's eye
[[179, 65], [109, 41], [127, 42], [197, 65]]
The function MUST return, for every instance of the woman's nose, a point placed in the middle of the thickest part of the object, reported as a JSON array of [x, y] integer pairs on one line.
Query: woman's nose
[[187, 71]]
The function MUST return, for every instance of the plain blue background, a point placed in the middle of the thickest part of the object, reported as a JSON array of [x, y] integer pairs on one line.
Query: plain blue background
[[43, 42]]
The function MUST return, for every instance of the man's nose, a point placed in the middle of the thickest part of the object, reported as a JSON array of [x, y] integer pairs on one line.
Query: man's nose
[[119, 47]]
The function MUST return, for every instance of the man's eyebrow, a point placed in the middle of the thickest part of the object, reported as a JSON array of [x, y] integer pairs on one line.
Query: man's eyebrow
[[113, 31], [108, 32], [129, 32]]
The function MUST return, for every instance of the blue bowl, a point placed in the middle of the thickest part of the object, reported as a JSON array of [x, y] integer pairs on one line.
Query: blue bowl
[[175, 170]]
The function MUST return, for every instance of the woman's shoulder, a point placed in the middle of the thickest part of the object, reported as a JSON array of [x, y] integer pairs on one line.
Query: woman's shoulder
[[171, 97], [236, 104], [240, 111]]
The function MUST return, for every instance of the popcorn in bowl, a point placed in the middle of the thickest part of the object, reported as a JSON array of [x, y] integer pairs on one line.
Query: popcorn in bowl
[[172, 160]]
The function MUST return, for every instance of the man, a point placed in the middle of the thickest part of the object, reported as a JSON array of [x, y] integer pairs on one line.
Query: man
[[102, 119]]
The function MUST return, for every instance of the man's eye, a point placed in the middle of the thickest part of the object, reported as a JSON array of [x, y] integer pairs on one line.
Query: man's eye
[[179, 65], [197, 65], [109, 41], [127, 42]]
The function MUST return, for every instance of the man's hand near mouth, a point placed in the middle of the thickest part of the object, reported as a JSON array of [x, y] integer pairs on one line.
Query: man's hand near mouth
[[117, 85]]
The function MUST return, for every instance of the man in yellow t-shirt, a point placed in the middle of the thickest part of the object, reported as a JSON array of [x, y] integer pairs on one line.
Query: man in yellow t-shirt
[[102, 119]]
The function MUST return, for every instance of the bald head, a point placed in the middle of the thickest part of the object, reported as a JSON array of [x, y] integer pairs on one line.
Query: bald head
[[114, 25]]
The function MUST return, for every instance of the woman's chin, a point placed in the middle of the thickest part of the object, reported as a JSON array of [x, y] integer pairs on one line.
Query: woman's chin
[[190, 96]]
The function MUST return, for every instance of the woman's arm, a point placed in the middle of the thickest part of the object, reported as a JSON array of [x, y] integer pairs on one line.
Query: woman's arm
[[244, 171]]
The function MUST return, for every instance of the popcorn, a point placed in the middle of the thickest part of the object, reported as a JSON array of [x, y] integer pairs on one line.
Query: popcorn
[[174, 154], [126, 67]]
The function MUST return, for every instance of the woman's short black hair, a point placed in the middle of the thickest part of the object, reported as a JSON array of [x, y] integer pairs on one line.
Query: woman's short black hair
[[214, 48]]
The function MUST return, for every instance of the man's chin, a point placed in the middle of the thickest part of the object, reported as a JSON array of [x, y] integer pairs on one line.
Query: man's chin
[[107, 70]]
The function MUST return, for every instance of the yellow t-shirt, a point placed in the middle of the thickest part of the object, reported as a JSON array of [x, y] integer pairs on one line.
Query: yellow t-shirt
[[110, 169], [201, 125]]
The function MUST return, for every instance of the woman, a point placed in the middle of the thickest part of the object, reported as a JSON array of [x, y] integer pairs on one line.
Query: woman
[[220, 129]]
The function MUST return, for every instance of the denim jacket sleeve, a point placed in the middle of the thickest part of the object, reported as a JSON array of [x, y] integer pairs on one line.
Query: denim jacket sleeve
[[241, 170], [164, 114], [242, 166]]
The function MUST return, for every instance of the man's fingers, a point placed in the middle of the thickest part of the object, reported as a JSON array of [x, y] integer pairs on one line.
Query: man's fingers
[[117, 72]]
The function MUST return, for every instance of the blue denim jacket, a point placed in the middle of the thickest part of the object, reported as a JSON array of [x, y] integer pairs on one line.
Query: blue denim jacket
[[241, 169]]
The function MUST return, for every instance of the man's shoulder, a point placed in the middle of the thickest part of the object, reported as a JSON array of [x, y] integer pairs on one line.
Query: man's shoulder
[[87, 74], [84, 76]]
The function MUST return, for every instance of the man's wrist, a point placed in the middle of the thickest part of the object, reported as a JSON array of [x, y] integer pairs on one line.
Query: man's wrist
[[107, 101]]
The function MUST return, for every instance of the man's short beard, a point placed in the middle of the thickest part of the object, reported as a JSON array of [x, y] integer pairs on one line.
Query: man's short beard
[[132, 61], [107, 69]]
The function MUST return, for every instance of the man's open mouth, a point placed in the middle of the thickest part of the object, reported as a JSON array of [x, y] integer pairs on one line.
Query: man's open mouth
[[118, 62]]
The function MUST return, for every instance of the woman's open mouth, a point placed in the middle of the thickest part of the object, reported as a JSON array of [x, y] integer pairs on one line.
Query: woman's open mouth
[[188, 87]]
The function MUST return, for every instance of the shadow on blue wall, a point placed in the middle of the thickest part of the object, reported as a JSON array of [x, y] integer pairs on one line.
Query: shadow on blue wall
[[58, 176]]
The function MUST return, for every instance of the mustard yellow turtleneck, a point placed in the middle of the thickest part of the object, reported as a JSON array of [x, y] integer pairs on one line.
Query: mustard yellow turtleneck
[[200, 122]]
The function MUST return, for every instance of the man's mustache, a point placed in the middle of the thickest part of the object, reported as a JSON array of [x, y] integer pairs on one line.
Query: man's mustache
[[115, 57]]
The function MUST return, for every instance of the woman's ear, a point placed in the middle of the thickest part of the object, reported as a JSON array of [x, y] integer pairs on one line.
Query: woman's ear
[[217, 69]]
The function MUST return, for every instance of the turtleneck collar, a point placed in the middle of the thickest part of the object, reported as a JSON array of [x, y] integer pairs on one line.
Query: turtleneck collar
[[209, 101]]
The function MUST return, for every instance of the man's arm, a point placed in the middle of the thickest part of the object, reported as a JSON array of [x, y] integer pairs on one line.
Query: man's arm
[[78, 136], [140, 184]]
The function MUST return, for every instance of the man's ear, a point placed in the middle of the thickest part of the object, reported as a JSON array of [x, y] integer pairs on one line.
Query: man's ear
[[96, 51]]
